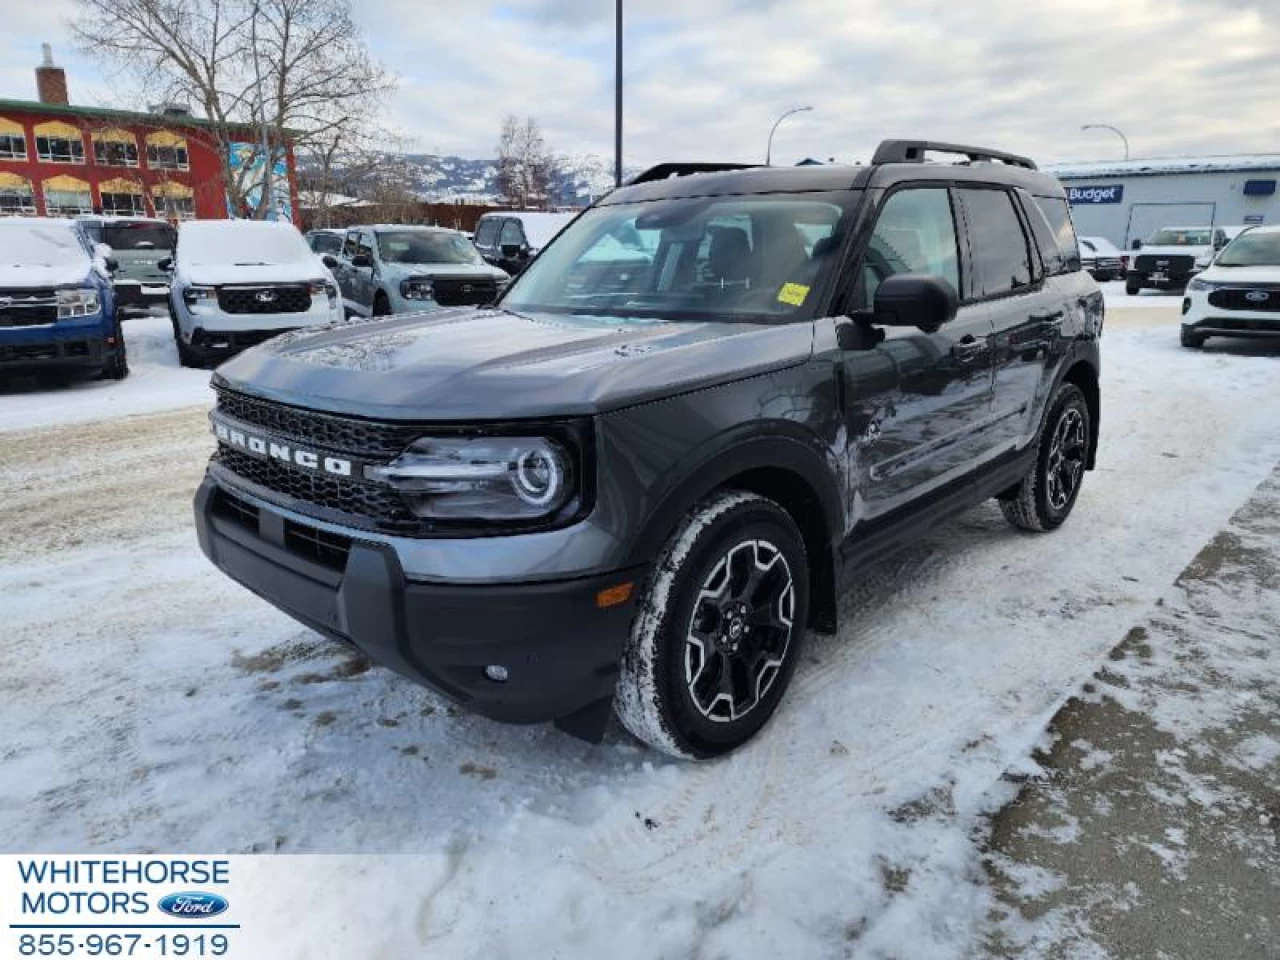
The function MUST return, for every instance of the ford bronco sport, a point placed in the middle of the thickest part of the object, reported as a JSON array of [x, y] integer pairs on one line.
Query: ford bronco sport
[[638, 480]]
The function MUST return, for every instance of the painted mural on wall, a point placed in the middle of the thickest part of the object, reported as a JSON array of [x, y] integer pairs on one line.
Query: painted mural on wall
[[247, 157]]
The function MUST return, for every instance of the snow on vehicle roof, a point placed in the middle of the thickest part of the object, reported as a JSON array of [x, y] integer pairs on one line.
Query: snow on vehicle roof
[[228, 242], [1165, 165], [539, 227]]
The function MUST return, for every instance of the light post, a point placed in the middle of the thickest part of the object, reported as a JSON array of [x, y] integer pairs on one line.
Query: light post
[[1115, 130], [617, 101], [768, 154]]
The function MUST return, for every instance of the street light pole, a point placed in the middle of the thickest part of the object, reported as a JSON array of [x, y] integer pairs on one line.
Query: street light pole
[[1115, 130], [617, 102], [768, 154]]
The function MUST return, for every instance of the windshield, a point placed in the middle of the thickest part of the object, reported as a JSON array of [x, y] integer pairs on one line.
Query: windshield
[[1251, 250], [138, 236], [43, 245], [425, 246], [241, 244], [326, 243], [739, 258], [1181, 238]]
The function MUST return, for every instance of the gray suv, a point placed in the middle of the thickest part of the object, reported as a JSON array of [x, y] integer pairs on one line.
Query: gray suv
[[642, 477], [138, 245]]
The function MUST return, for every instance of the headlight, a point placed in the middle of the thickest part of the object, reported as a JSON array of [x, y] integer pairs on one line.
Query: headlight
[[1201, 285], [417, 288], [482, 478], [195, 295], [324, 287], [81, 302]]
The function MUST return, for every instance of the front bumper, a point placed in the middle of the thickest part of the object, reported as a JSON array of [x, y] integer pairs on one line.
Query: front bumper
[[560, 650], [70, 344], [141, 295], [1170, 281], [1201, 317]]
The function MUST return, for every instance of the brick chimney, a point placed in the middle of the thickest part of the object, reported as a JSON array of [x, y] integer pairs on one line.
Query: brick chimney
[[51, 80]]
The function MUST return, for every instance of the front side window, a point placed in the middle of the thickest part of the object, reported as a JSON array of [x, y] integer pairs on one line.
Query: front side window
[[364, 246], [123, 205], [67, 203], [60, 149], [13, 146], [326, 243], [423, 246], [350, 243], [738, 258], [511, 234], [167, 158], [1001, 258], [115, 153], [1058, 215], [915, 233]]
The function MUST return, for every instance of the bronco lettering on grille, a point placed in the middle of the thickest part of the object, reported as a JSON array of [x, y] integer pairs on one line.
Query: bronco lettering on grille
[[269, 449]]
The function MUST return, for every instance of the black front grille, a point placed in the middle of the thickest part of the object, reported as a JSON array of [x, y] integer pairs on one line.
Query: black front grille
[[265, 299], [58, 350], [230, 507], [327, 549], [384, 508], [27, 308], [464, 291], [371, 441], [1236, 298], [1178, 264]]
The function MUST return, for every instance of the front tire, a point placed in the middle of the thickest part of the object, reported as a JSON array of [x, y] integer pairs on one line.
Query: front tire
[[719, 628], [1044, 498], [1132, 289], [186, 357], [1192, 339], [117, 368]]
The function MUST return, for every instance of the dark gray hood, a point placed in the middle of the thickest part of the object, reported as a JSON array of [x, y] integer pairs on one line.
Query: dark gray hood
[[470, 364]]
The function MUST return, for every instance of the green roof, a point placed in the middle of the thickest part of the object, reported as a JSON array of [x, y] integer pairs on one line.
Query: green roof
[[136, 116]]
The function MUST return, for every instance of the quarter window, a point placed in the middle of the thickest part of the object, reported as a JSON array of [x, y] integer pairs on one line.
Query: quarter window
[[60, 149], [1055, 210], [915, 233], [1001, 258]]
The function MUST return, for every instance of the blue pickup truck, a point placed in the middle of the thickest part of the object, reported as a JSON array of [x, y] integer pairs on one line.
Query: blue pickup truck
[[58, 312]]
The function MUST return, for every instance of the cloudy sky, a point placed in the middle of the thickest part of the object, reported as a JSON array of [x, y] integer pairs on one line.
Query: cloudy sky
[[706, 78]]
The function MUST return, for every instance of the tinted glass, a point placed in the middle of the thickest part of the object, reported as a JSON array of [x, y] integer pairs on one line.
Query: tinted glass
[[915, 233], [998, 246], [1251, 250], [511, 233], [138, 236], [423, 246], [703, 258], [1058, 214], [349, 245], [326, 242], [487, 232]]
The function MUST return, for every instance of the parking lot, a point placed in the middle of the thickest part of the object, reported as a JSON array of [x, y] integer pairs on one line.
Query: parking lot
[[151, 704]]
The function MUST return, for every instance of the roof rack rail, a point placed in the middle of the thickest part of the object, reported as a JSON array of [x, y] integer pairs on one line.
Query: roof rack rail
[[913, 151], [665, 171]]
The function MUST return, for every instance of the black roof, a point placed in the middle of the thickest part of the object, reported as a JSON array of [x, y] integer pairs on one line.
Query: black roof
[[670, 180]]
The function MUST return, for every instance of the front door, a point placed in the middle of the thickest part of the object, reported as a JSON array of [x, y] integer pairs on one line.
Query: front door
[[917, 403]]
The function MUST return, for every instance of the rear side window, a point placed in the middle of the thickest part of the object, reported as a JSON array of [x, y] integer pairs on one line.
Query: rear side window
[[486, 233], [365, 247], [1058, 214], [915, 233], [1001, 258]]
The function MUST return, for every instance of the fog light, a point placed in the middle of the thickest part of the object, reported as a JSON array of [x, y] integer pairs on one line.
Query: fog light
[[496, 673]]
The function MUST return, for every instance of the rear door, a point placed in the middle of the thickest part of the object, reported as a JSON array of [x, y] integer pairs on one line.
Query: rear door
[[1025, 307], [916, 402]]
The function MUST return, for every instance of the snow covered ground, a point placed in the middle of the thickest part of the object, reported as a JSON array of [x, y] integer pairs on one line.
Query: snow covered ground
[[150, 704], [155, 382]]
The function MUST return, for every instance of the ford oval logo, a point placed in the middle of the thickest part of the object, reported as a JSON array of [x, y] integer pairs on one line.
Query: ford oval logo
[[193, 906], [265, 296], [1257, 296]]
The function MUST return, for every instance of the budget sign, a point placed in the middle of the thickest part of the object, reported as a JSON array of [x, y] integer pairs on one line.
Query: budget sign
[[1112, 194]]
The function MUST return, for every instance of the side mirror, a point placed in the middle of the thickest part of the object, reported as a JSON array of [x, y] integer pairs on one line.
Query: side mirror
[[102, 250], [165, 263], [111, 263], [1219, 242], [362, 260], [1137, 245], [915, 300], [329, 260]]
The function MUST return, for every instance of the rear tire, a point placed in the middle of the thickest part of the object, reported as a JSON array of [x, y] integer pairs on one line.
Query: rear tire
[[186, 357], [719, 629], [1192, 339], [1044, 498]]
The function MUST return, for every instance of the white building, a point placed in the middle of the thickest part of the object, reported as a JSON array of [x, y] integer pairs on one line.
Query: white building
[[1129, 200]]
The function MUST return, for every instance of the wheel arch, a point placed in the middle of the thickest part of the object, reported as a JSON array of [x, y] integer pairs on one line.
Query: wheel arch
[[1085, 376], [785, 470]]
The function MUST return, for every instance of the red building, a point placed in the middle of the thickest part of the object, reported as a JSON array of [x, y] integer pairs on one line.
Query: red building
[[60, 160]]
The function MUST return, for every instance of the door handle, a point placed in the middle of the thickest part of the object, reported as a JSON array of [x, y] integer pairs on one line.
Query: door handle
[[969, 349]]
